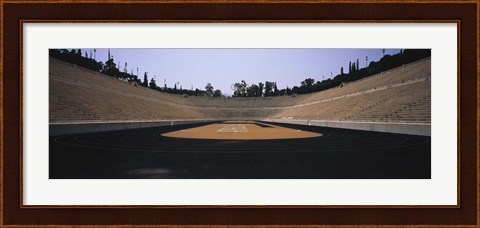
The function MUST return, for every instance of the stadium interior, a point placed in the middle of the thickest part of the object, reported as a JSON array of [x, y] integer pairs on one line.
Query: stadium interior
[[102, 127], [399, 95]]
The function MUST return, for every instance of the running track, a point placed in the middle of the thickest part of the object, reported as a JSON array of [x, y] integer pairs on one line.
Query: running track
[[143, 153]]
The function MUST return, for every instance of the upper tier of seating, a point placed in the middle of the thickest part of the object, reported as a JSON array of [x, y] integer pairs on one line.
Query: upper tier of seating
[[398, 95]]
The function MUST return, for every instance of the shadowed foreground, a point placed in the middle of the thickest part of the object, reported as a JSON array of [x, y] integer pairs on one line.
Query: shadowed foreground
[[145, 153]]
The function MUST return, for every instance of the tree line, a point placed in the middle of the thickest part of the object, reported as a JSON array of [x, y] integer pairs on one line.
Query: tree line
[[110, 68], [310, 85], [267, 89], [243, 89]]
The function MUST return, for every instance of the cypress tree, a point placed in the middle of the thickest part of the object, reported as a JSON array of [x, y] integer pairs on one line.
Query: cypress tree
[[145, 80]]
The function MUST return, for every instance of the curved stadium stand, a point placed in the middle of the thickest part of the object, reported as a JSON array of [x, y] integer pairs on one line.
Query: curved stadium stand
[[102, 127], [399, 95]]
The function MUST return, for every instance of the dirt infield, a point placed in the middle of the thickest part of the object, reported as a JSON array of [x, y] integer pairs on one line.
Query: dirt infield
[[241, 130]]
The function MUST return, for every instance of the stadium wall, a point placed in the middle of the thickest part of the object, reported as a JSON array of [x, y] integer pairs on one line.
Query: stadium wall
[[87, 127], [400, 128]]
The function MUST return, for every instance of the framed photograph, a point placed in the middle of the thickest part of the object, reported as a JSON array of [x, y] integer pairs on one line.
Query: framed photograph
[[256, 113]]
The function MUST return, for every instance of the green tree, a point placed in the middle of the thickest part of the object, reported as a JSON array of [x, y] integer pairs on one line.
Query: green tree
[[145, 80], [275, 89], [308, 82], [153, 84], [307, 85], [341, 70], [217, 93], [288, 91], [252, 91], [260, 89], [209, 89], [243, 85], [110, 67], [237, 89], [268, 89]]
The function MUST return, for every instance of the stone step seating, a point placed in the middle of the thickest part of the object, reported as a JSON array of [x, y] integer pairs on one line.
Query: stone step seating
[[329, 110], [282, 101], [419, 110], [403, 104], [87, 78], [244, 102], [421, 68], [384, 109], [413, 71], [71, 102], [85, 95], [400, 95], [236, 102], [238, 113], [82, 95], [391, 100], [389, 109]]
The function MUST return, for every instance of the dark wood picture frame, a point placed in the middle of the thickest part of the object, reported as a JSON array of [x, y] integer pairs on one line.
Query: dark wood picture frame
[[14, 13]]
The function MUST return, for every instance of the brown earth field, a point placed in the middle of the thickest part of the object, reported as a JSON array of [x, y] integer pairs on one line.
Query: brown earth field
[[237, 130]]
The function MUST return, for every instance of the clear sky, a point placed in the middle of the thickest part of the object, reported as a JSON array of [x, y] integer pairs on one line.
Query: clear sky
[[223, 67]]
